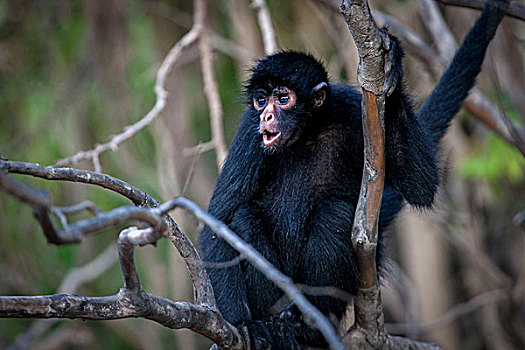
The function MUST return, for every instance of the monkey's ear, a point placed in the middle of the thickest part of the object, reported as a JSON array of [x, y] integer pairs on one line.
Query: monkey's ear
[[319, 94]]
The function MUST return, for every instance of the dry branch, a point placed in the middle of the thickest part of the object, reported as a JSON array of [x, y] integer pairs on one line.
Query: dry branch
[[210, 87], [132, 301], [162, 74], [368, 331], [312, 316], [371, 78], [476, 103], [265, 23], [202, 286]]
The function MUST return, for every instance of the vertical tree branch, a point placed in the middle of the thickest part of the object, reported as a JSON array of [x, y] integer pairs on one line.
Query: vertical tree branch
[[368, 331], [210, 85], [265, 23], [371, 76]]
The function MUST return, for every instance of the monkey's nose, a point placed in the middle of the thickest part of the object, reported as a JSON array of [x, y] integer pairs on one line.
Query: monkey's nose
[[268, 117]]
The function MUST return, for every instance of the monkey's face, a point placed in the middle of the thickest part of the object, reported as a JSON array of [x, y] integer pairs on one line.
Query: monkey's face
[[282, 118], [276, 118]]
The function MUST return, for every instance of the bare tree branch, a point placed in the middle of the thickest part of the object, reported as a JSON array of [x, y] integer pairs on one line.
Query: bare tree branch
[[457, 311], [162, 74], [202, 285], [80, 207], [23, 192], [371, 76], [313, 316], [368, 331], [476, 103], [73, 279], [131, 297], [210, 87], [125, 304], [265, 23], [200, 148], [131, 301]]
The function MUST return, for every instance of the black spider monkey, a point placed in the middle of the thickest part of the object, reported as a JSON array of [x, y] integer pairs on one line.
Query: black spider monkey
[[291, 181]]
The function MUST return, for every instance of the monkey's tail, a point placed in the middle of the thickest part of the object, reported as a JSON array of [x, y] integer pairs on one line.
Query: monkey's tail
[[453, 87]]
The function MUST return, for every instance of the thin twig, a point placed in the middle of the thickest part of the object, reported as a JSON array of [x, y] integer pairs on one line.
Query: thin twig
[[80, 207], [210, 89], [191, 172], [202, 285], [457, 311], [200, 148], [224, 264], [131, 301], [162, 74]]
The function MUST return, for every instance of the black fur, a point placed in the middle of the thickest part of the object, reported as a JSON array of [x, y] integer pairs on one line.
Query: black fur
[[296, 204]]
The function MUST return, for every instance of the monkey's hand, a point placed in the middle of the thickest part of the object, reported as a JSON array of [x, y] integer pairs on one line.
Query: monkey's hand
[[393, 62]]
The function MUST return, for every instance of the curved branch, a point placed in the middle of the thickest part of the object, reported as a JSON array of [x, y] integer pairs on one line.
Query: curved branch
[[130, 301], [201, 283], [476, 103], [124, 304], [160, 103], [313, 316]]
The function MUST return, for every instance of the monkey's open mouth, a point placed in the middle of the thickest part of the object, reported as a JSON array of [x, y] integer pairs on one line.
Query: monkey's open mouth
[[270, 138]]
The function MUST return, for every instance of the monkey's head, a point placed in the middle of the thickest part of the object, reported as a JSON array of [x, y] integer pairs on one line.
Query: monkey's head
[[285, 91]]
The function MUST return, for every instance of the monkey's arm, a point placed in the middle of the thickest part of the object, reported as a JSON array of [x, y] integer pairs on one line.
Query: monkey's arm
[[412, 142], [240, 175], [453, 87], [235, 186]]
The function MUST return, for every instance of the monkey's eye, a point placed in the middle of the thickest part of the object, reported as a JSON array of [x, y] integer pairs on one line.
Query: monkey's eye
[[283, 99], [260, 102]]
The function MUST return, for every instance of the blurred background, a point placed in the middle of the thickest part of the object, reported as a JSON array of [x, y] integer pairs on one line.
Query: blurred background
[[73, 73]]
